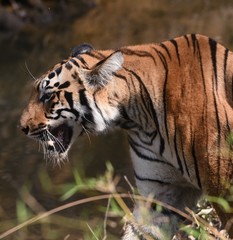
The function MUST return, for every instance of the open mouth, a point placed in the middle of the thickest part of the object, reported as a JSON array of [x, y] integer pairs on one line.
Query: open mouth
[[60, 138]]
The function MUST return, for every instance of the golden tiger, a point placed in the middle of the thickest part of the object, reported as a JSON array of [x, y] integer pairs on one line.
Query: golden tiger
[[175, 101]]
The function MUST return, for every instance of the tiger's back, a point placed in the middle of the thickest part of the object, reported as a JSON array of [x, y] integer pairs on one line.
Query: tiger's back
[[190, 86], [174, 99]]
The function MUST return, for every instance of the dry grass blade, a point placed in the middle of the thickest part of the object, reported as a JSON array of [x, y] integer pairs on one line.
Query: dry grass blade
[[119, 198], [201, 221]]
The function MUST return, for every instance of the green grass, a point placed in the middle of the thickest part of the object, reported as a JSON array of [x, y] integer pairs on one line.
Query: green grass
[[108, 207]]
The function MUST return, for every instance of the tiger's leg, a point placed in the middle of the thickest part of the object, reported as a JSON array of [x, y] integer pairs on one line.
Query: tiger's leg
[[161, 225], [154, 225]]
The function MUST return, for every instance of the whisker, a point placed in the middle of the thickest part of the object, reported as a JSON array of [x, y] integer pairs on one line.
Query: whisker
[[60, 145], [49, 156], [30, 73], [39, 146], [53, 149], [86, 131], [56, 140], [43, 148], [88, 120]]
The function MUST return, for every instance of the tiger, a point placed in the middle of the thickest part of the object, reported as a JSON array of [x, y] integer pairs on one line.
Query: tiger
[[173, 99]]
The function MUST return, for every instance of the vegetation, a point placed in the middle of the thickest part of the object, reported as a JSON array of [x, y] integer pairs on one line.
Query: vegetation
[[41, 33], [107, 218]]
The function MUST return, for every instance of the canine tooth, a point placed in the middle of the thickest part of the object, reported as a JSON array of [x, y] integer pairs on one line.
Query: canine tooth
[[50, 142]]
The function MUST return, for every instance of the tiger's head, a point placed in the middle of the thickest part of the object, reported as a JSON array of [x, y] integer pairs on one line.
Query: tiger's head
[[71, 99]]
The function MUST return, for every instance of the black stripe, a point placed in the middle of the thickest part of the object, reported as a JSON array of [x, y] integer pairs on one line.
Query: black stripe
[[53, 104], [49, 87], [217, 119], [219, 132], [184, 160], [120, 76], [58, 70], [58, 94], [69, 99], [177, 152], [127, 51], [51, 75], [56, 84], [64, 85], [126, 122], [173, 41], [136, 106], [195, 163], [164, 62], [82, 61], [74, 62], [151, 136], [133, 102], [213, 50], [161, 146], [96, 55], [75, 112], [83, 99], [136, 144], [201, 66], [147, 158], [124, 113], [144, 97], [75, 76], [97, 107], [187, 40], [88, 116], [205, 107], [166, 49], [59, 112], [151, 108], [194, 41], [68, 66], [225, 67], [149, 179]]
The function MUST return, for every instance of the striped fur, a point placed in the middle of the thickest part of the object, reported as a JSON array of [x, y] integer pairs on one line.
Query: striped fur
[[174, 100]]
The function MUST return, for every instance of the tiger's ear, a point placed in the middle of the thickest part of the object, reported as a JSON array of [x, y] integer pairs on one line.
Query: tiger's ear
[[80, 49], [104, 71]]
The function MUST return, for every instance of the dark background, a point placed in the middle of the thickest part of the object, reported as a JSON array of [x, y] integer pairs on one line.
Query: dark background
[[38, 34]]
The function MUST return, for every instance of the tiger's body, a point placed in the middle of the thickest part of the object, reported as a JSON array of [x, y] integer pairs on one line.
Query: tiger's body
[[175, 101]]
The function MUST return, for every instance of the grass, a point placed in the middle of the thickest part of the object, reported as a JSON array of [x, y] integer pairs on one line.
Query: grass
[[111, 207]]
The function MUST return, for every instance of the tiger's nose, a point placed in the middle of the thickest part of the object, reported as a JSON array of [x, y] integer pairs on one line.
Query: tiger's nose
[[25, 129]]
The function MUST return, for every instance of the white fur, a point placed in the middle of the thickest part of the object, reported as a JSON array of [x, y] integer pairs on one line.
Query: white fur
[[101, 75], [110, 66]]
